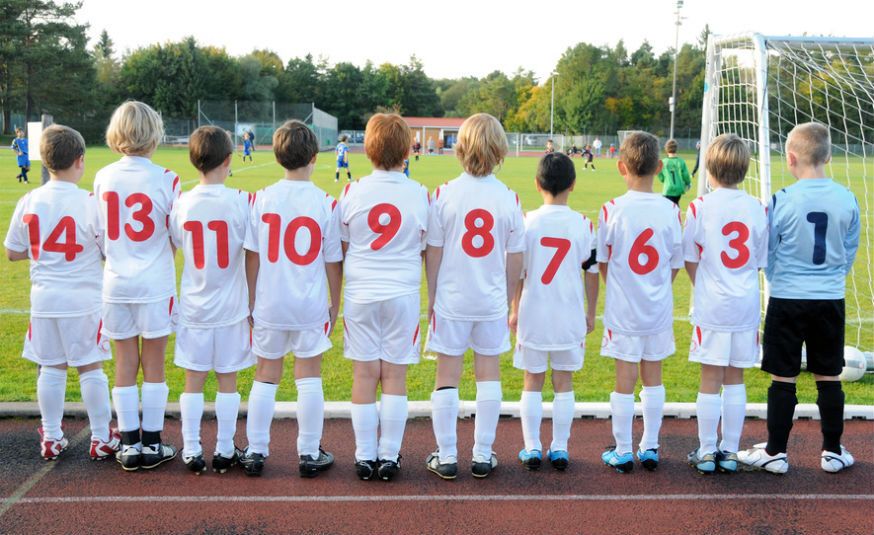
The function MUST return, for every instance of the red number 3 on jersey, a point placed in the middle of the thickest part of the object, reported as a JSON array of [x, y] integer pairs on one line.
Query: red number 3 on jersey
[[738, 243]]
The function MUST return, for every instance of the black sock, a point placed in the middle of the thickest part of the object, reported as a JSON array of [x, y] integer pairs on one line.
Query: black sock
[[337, 175], [151, 437], [24, 174], [129, 438], [781, 408], [830, 400], [349, 175]]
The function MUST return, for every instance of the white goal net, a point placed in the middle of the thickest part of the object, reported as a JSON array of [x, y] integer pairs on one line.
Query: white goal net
[[760, 87]]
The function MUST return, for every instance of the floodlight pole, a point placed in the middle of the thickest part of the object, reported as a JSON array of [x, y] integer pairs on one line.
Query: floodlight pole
[[552, 103], [672, 104]]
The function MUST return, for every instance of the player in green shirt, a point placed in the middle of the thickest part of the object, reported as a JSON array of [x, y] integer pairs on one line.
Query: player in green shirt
[[674, 174]]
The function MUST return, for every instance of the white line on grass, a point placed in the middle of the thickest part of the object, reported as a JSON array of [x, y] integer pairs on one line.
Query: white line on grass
[[238, 171]]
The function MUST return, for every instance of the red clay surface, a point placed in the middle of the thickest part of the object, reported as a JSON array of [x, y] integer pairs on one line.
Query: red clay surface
[[194, 504]]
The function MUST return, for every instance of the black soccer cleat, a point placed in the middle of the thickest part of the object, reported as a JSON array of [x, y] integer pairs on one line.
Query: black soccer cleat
[[252, 463], [155, 455], [311, 466], [195, 463], [481, 468], [389, 469], [443, 470], [129, 457], [220, 463], [366, 470]]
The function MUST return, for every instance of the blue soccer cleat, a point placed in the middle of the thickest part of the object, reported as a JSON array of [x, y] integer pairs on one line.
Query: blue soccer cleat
[[704, 463], [726, 462], [558, 459], [649, 458], [531, 459], [622, 463]]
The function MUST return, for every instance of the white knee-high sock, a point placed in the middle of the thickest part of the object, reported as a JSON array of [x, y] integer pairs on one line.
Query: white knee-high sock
[[444, 418], [622, 412], [191, 407], [51, 387], [127, 407], [94, 386], [154, 405], [227, 407], [365, 422], [488, 410], [392, 422], [734, 408], [653, 400], [531, 414], [707, 408], [310, 415], [262, 404], [562, 418]]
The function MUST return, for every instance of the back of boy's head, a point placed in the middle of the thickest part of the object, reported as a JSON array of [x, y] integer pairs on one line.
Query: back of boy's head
[[640, 154], [728, 159], [387, 140], [343, 138], [209, 147], [556, 173], [60, 147], [294, 145], [135, 129], [811, 143], [481, 145], [671, 146]]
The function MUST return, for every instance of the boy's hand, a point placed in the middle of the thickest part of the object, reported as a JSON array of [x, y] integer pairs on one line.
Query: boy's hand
[[513, 320], [590, 323], [332, 315], [251, 321]]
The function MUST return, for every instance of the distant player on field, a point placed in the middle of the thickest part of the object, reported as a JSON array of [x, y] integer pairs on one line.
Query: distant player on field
[[674, 174], [814, 236], [587, 154], [248, 146], [550, 148], [549, 309], [640, 251], [22, 154], [342, 151], [725, 244]]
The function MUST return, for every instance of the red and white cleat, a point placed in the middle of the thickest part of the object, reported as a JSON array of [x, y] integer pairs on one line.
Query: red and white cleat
[[101, 450], [50, 448]]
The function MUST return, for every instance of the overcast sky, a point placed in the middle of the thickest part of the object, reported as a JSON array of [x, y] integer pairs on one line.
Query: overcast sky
[[457, 37]]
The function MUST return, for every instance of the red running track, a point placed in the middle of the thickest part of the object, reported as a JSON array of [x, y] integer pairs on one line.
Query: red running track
[[74, 495]]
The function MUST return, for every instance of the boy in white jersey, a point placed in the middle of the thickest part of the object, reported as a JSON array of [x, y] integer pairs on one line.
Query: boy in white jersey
[[552, 320], [56, 227], [725, 244], [639, 252], [814, 236], [139, 280], [292, 243], [384, 217], [476, 237], [209, 225]]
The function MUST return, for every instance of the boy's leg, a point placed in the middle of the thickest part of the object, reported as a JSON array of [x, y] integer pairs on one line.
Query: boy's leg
[[227, 407], [652, 398], [562, 409], [444, 406], [191, 407], [734, 406], [393, 410], [531, 410], [781, 408], [51, 387], [155, 390], [94, 386], [488, 404], [262, 404], [622, 405], [830, 400], [708, 407], [310, 404], [125, 394], [781, 344], [365, 414]]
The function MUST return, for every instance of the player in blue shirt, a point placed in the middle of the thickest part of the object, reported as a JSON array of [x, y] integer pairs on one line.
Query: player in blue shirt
[[407, 167], [248, 146], [814, 236], [342, 159], [19, 145]]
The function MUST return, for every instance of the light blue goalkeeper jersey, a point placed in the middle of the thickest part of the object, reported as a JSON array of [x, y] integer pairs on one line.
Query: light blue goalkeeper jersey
[[813, 241]]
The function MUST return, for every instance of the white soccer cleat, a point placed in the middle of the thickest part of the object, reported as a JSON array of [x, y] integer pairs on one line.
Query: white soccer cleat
[[756, 458], [833, 463]]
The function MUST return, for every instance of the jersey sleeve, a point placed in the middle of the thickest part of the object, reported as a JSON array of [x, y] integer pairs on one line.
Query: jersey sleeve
[[590, 264], [175, 188], [851, 240], [333, 251], [16, 236], [426, 195], [773, 234], [761, 242], [343, 209], [251, 241], [687, 178], [175, 227], [677, 234], [93, 223], [435, 225], [691, 247], [516, 237], [605, 242]]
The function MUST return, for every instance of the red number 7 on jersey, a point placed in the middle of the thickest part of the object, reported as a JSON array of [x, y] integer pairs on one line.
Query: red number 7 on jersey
[[562, 246]]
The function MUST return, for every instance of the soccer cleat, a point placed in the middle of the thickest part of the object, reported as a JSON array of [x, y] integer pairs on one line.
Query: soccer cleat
[[756, 458], [252, 463], [389, 469], [448, 470], [623, 463], [705, 464], [220, 463], [50, 448], [559, 459], [833, 462], [129, 457], [310, 466], [481, 467], [726, 462], [366, 470], [531, 459], [101, 450], [649, 458], [195, 463], [154, 455]]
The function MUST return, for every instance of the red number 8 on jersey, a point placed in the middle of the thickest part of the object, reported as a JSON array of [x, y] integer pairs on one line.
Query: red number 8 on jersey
[[484, 231]]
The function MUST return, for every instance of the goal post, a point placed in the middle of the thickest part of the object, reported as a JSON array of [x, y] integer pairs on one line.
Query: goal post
[[759, 87]]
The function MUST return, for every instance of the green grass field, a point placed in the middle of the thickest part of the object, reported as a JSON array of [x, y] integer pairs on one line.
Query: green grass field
[[593, 383]]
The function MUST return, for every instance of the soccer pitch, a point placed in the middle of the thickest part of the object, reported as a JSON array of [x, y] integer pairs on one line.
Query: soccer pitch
[[593, 383]]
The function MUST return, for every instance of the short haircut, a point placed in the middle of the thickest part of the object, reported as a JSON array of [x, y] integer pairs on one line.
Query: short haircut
[[343, 138], [811, 142], [387, 140], [640, 153], [294, 145], [209, 147], [482, 144], [556, 173], [671, 146], [135, 129], [728, 159], [60, 147]]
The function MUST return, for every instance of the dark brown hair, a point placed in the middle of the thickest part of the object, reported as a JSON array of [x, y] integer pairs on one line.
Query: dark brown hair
[[60, 147], [640, 154], [556, 173], [387, 140], [294, 145], [209, 147]]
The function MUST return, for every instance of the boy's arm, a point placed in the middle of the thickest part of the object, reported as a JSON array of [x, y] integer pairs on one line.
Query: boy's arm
[[851, 241], [433, 258], [514, 306], [691, 250], [592, 285], [687, 178], [16, 242], [692, 269], [514, 273], [15, 256], [334, 271], [253, 265], [602, 268]]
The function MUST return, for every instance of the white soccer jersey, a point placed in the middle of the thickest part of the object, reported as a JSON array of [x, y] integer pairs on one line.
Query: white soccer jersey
[[383, 218], [135, 198], [57, 224], [727, 235], [294, 227], [477, 221], [640, 239], [209, 225], [552, 312]]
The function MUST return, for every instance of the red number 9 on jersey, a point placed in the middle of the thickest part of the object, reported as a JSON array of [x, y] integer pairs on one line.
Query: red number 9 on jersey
[[738, 243], [484, 231], [641, 247], [387, 231]]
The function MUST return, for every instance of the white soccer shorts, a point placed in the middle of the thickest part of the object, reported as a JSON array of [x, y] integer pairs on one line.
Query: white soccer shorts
[[654, 347], [537, 361], [77, 341], [224, 349], [455, 337], [717, 348], [385, 330], [276, 343], [149, 320]]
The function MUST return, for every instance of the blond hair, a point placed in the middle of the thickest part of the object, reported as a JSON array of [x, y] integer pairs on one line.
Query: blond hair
[[135, 129], [60, 147], [811, 143], [728, 159], [640, 154], [387, 140], [481, 145]]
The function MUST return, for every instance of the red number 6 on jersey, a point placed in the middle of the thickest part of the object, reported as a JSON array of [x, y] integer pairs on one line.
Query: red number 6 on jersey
[[484, 231], [738, 243], [640, 247]]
